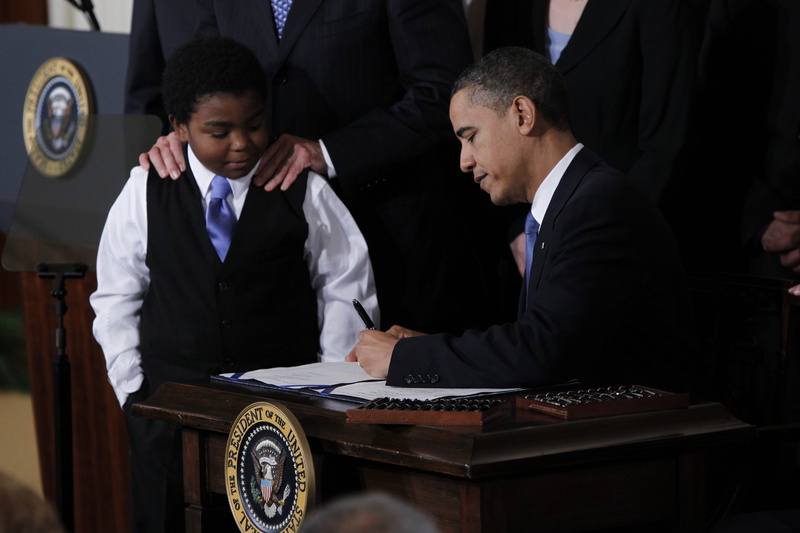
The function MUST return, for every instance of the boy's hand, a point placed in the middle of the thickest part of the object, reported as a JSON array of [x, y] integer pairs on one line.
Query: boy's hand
[[286, 159], [166, 156]]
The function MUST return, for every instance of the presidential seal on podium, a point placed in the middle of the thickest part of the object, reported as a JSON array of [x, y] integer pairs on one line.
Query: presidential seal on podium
[[268, 469], [55, 116]]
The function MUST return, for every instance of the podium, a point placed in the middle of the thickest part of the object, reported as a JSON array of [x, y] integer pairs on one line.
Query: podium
[[57, 220], [103, 56], [526, 472]]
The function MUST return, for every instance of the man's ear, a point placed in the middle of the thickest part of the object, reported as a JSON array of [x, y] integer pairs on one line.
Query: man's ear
[[524, 114], [180, 128]]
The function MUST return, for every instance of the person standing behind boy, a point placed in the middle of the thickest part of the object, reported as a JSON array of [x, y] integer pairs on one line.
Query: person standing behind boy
[[179, 301]]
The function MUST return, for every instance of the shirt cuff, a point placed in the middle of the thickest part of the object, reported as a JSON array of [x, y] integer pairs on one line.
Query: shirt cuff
[[125, 375], [328, 162]]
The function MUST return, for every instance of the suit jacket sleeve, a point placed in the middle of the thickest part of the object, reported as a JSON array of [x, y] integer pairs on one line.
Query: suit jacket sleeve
[[603, 302], [544, 346]]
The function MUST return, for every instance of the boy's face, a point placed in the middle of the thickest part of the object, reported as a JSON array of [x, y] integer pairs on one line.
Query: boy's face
[[227, 133]]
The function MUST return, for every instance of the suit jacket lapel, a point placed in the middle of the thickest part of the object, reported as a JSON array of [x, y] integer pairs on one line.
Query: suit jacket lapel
[[300, 14], [583, 161], [597, 21], [261, 29]]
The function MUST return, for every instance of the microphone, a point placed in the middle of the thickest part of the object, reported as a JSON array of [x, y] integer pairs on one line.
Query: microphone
[[88, 9]]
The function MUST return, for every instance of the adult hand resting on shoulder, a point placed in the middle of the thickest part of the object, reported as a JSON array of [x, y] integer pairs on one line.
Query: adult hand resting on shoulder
[[286, 158], [166, 156], [283, 161]]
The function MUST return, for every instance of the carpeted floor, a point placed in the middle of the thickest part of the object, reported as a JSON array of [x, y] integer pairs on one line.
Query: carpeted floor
[[18, 455]]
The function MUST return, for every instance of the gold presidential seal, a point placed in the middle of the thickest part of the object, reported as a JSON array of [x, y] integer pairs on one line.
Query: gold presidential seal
[[268, 469], [55, 116]]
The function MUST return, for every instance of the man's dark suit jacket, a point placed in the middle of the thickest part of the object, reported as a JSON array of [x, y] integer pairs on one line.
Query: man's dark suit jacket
[[158, 27], [372, 79], [607, 302], [629, 68]]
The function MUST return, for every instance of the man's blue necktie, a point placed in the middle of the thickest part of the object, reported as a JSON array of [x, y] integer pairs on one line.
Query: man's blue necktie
[[280, 8], [220, 218], [531, 231]]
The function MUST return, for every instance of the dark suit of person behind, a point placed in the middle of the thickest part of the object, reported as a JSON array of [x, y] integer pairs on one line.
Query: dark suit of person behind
[[607, 302], [158, 27], [749, 177], [371, 79], [629, 67]]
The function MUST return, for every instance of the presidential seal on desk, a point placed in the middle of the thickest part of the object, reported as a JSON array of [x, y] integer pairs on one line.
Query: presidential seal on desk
[[268, 468], [55, 116]]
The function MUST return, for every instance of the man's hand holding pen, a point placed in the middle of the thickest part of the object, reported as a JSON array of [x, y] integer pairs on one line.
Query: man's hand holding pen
[[374, 352], [374, 349]]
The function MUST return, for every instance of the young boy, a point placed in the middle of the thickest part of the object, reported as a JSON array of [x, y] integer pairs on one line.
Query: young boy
[[207, 274]]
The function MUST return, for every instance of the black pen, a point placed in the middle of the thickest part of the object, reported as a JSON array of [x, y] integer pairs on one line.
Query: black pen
[[363, 314]]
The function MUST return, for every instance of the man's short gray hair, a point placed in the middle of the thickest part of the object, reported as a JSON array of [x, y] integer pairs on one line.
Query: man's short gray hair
[[503, 74]]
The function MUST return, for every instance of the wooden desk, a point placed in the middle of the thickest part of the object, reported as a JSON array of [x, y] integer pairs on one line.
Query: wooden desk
[[525, 472]]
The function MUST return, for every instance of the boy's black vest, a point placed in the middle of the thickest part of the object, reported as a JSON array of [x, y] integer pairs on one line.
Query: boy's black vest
[[201, 316]]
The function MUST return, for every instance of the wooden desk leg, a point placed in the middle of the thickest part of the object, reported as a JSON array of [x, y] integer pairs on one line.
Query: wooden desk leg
[[691, 492], [206, 512], [193, 482], [472, 515]]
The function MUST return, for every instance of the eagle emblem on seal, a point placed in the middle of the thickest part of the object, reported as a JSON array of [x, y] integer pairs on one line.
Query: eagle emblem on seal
[[266, 484]]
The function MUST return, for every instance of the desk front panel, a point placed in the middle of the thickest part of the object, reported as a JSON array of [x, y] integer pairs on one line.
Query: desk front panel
[[646, 468]]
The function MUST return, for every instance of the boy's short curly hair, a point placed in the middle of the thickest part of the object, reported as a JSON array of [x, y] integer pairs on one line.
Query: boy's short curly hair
[[207, 66]]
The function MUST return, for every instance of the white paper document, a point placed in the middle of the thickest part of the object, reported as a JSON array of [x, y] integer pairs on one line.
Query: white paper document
[[344, 379]]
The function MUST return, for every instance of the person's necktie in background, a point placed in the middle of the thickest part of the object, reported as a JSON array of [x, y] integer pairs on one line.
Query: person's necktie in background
[[280, 9], [220, 218], [531, 231]]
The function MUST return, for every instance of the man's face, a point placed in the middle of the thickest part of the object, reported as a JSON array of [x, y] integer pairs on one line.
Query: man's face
[[227, 133], [492, 149]]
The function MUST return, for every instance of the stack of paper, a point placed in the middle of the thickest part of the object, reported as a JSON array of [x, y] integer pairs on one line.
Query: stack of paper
[[345, 381]]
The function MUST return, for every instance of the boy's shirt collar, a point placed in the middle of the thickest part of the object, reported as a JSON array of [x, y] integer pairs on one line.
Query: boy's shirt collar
[[203, 177]]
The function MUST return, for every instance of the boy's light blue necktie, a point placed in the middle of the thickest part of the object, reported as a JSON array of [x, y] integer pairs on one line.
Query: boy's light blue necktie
[[220, 218]]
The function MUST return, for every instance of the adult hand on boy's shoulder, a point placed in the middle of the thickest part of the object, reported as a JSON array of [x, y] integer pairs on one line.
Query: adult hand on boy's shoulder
[[166, 156], [286, 158]]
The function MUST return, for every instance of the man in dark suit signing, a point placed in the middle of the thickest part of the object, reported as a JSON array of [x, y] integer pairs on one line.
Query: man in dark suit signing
[[606, 301]]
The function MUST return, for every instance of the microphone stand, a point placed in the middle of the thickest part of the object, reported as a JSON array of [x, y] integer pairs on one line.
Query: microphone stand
[[62, 390], [88, 9]]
